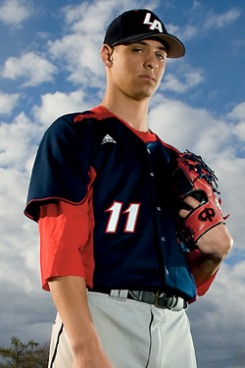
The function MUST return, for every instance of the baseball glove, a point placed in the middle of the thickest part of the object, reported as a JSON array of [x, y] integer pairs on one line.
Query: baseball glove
[[193, 177]]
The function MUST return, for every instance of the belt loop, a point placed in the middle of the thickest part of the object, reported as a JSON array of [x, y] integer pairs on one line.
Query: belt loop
[[119, 294]]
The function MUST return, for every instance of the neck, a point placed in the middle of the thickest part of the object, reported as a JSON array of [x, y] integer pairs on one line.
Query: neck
[[134, 112]]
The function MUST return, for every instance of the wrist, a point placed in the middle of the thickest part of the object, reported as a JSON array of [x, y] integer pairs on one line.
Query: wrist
[[86, 342]]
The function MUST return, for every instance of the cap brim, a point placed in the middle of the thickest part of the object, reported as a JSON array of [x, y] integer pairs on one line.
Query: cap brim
[[175, 47]]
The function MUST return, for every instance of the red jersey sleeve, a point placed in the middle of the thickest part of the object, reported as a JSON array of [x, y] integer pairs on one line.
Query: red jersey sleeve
[[203, 287], [66, 241]]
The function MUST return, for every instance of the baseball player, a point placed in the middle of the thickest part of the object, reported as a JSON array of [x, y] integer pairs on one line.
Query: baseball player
[[130, 228]]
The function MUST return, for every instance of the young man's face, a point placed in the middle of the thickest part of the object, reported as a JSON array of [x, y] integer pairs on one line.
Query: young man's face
[[138, 68]]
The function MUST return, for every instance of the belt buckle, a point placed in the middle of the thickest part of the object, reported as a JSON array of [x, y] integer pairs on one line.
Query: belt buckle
[[168, 302], [158, 297]]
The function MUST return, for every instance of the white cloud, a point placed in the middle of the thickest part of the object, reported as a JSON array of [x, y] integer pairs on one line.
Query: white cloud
[[8, 102], [80, 47], [172, 83], [27, 314], [221, 20], [240, 130], [185, 32], [237, 116], [32, 68], [198, 26], [87, 18], [189, 32], [184, 126], [230, 170], [238, 112], [80, 55], [14, 12], [188, 80], [211, 137], [57, 104], [17, 140], [92, 16], [214, 316]]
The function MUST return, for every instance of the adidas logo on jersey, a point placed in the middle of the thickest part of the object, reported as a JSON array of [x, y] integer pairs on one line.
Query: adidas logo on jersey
[[108, 139]]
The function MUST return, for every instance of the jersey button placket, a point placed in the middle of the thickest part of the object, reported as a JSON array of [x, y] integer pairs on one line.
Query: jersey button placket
[[158, 208]]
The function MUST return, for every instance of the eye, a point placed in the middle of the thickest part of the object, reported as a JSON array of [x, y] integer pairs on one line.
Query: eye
[[137, 49], [161, 56]]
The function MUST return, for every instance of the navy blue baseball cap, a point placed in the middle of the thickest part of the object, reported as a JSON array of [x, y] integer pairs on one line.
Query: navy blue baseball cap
[[140, 24]]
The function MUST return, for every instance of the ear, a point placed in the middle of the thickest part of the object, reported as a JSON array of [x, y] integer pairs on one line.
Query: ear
[[106, 53]]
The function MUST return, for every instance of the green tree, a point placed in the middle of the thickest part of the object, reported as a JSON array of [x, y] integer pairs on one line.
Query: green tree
[[20, 355]]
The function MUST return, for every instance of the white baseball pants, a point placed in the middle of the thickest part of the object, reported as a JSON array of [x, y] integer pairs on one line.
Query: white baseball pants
[[134, 335]]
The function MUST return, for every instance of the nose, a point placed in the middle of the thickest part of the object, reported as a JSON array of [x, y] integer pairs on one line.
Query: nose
[[151, 62]]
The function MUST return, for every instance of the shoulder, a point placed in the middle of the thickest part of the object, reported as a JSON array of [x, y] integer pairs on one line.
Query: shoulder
[[170, 152], [71, 120], [80, 121], [171, 148], [69, 127]]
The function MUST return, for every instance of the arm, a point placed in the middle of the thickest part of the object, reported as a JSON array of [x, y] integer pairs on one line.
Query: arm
[[69, 295], [214, 246], [66, 262], [200, 222]]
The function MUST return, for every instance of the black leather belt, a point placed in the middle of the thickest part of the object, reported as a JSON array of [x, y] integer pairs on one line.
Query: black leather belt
[[159, 299]]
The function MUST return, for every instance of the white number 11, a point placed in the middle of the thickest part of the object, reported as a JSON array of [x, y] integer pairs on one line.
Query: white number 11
[[116, 211]]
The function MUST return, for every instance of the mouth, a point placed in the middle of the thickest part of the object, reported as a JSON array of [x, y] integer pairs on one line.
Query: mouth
[[148, 77]]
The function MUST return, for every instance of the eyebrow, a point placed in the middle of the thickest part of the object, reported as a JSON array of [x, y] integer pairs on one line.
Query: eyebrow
[[162, 48]]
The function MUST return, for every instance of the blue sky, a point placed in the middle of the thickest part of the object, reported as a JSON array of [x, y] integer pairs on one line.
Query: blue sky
[[50, 65]]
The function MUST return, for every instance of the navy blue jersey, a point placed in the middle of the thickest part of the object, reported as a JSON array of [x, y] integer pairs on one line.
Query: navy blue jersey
[[134, 207]]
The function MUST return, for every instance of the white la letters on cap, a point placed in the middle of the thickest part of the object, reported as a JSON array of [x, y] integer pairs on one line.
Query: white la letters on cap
[[153, 25]]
